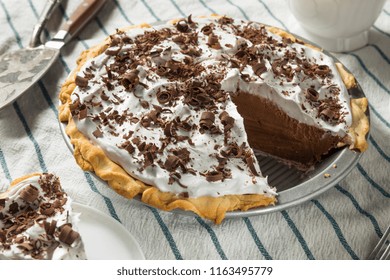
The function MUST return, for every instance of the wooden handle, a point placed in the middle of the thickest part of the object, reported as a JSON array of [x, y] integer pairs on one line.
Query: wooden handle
[[83, 14]]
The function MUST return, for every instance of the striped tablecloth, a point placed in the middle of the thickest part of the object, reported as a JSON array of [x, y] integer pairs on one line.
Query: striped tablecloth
[[343, 223]]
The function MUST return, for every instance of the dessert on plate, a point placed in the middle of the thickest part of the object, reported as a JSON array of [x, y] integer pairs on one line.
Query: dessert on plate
[[174, 112], [37, 221]]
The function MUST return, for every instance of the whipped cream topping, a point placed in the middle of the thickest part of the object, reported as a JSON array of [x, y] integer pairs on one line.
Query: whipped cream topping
[[37, 222], [158, 101]]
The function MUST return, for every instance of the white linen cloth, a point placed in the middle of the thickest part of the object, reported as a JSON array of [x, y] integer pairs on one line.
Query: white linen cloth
[[345, 222]]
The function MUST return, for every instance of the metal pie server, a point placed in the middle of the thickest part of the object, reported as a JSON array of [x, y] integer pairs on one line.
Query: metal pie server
[[21, 69]]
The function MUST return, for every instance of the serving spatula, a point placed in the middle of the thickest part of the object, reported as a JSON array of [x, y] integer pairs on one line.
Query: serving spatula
[[21, 69]]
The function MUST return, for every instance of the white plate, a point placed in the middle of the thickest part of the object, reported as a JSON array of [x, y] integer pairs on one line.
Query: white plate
[[105, 238]]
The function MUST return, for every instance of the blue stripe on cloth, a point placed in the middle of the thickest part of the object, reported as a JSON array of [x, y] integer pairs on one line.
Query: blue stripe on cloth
[[379, 116], [337, 229], [272, 15], [122, 11], [383, 55], [298, 235], [255, 237], [150, 10], [101, 26], [380, 151], [167, 233], [381, 31], [18, 111], [178, 8], [206, 226], [372, 182], [4, 166], [48, 99], [360, 209], [368, 71], [108, 202], [214, 238], [110, 206], [207, 7], [239, 8], [30, 136], [17, 37]]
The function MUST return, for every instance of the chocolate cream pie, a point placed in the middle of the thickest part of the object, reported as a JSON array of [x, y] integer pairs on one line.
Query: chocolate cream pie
[[37, 221], [174, 112]]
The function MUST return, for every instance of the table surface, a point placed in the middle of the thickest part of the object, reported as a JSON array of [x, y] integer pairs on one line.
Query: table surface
[[345, 222]]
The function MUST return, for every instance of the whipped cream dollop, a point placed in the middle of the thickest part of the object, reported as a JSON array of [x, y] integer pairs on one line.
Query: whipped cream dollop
[[37, 222], [158, 101]]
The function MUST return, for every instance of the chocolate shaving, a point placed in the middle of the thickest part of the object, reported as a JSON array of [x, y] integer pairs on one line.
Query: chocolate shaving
[[225, 20], [97, 133], [81, 81], [46, 209], [128, 147], [50, 227], [171, 163], [213, 42], [259, 68], [250, 162], [3, 236]]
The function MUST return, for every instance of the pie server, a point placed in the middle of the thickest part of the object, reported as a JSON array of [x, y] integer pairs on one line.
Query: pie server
[[21, 69]]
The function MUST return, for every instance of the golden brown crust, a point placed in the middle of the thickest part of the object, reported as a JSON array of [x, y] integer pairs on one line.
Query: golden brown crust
[[360, 124], [92, 158]]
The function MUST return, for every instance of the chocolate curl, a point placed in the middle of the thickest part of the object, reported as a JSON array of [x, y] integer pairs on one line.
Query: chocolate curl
[[312, 94], [214, 176], [322, 70], [207, 30], [169, 129], [29, 194], [226, 120], [68, 235], [182, 25], [213, 42], [130, 79], [164, 97], [207, 120]]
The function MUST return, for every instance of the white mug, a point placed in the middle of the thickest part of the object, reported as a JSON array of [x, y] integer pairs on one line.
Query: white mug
[[337, 25]]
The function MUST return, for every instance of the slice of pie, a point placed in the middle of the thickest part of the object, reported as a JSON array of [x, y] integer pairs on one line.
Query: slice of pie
[[37, 221], [174, 112]]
